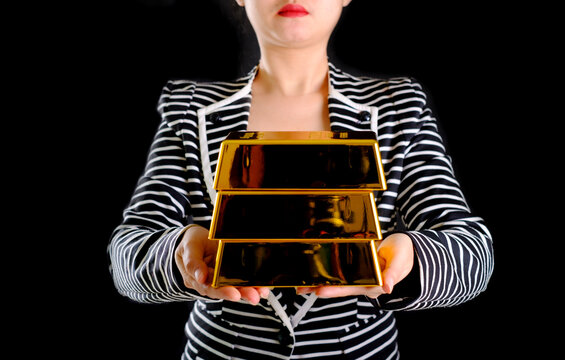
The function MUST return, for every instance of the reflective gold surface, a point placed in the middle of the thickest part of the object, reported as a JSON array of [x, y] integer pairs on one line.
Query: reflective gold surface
[[297, 264], [283, 216], [297, 209], [300, 160]]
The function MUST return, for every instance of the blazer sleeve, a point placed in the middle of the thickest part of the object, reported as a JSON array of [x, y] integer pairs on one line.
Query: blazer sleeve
[[453, 248], [141, 250]]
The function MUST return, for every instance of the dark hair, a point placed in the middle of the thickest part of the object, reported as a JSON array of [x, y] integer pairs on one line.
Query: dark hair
[[236, 15]]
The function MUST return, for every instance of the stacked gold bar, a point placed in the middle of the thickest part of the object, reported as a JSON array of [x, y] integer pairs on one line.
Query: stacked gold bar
[[297, 209]]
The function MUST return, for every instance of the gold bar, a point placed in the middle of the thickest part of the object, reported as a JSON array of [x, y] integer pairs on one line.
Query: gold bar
[[300, 160], [297, 264], [279, 216]]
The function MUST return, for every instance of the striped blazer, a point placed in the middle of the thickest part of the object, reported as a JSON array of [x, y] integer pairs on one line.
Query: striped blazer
[[453, 248]]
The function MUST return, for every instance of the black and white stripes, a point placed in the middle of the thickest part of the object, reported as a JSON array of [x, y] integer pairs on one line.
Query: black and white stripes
[[453, 247]]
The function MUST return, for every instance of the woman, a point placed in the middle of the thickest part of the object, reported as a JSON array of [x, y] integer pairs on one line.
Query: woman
[[434, 252]]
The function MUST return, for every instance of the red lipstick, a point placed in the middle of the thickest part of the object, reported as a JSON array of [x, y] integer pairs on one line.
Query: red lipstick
[[293, 10]]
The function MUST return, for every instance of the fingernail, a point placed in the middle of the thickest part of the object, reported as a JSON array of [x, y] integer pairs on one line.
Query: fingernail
[[197, 275]]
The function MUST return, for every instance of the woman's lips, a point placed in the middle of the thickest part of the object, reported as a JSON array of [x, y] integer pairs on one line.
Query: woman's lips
[[293, 10]]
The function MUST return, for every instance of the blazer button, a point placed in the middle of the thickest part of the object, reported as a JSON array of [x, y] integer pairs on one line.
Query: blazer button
[[214, 118], [364, 116], [284, 337]]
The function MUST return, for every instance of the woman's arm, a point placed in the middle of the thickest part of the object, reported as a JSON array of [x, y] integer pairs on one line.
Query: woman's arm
[[142, 246], [156, 251], [443, 255], [453, 247]]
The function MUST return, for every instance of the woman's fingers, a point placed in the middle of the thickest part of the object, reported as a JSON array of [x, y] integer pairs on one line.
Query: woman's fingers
[[194, 258], [397, 252]]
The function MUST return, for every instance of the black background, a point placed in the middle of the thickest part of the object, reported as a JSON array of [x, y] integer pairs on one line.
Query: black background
[[103, 66]]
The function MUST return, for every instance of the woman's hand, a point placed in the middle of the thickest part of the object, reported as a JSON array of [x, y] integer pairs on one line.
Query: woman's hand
[[396, 258], [195, 258]]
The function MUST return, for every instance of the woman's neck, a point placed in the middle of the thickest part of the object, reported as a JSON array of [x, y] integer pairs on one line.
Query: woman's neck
[[291, 72]]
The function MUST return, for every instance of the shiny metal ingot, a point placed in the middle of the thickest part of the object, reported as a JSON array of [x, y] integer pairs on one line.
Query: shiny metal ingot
[[297, 209], [296, 239], [299, 160], [295, 216]]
